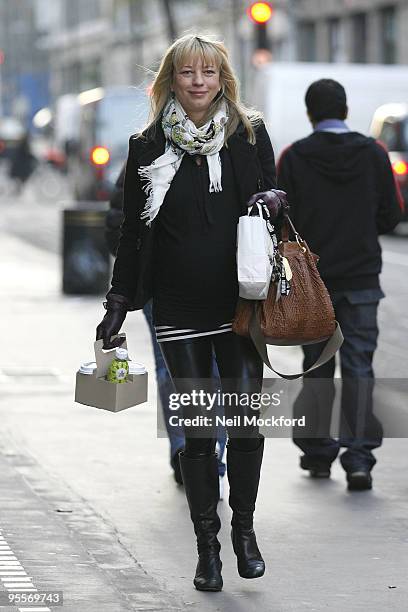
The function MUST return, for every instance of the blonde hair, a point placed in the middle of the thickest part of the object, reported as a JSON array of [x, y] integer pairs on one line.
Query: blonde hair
[[191, 47]]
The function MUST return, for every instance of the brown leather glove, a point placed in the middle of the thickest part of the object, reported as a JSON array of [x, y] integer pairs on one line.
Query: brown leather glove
[[116, 310], [275, 200]]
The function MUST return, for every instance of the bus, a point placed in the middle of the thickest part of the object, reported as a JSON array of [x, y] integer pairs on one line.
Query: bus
[[107, 118]]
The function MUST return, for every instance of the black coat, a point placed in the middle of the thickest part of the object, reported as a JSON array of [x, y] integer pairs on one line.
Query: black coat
[[254, 170]]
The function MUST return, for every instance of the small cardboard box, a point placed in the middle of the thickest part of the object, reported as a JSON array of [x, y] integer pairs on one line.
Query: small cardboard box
[[94, 390]]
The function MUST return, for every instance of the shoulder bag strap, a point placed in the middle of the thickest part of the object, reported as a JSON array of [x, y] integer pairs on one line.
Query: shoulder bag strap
[[333, 344]]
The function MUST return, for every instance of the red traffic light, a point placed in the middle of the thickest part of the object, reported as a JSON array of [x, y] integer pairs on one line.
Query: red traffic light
[[400, 167], [260, 12], [100, 156]]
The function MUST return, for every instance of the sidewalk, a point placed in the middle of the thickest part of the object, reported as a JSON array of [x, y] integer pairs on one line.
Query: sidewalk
[[61, 541], [78, 481], [59, 544]]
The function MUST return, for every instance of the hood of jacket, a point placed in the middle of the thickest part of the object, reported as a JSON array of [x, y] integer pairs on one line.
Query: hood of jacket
[[339, 157]]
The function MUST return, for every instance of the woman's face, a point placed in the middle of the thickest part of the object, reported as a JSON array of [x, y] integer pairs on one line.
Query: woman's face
[[196, 84]]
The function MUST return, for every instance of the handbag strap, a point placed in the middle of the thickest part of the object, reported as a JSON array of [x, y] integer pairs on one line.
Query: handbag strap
[[333, 344], [287, 225]]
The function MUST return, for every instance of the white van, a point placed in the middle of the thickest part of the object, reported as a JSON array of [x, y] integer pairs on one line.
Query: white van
[[279, 91]]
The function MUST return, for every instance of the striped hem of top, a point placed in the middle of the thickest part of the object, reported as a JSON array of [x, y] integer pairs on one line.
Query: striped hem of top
[[168, 333]]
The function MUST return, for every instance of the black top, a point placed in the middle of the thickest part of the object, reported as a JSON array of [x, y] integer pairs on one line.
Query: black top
[[342, 194], [194, 268]]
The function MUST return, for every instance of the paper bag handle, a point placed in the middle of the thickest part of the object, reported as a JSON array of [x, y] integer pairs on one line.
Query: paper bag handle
[[103, 357]]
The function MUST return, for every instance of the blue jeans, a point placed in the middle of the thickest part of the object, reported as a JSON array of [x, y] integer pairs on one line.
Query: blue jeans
[[165, 388], [360, 430]]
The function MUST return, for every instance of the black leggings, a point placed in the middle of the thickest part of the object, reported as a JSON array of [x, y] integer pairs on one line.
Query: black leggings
[[190, 363]]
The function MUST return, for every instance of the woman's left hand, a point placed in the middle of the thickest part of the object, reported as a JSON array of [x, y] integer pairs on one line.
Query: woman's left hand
[[274, 199]]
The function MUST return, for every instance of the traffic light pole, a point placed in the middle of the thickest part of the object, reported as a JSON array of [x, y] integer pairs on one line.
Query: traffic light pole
[[262, 41], [260, 13]]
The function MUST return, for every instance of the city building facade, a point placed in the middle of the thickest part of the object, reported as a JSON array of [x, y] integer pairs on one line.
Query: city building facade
[[24, 71], [121, 42], [361, 31], [53, 48], [81, 45]]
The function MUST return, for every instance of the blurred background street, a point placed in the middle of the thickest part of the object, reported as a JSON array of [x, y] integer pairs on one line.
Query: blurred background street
[[88, 503]]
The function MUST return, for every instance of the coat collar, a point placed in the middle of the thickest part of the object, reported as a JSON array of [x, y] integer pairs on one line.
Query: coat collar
[[242, 153], [245, 166], [151, 145]]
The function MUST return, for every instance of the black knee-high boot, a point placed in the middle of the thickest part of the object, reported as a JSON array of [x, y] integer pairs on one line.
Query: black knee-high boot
[[200, 478], [244, 468]]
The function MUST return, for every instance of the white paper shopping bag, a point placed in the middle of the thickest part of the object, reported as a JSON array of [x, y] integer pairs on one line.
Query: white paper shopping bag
[[254, 256]]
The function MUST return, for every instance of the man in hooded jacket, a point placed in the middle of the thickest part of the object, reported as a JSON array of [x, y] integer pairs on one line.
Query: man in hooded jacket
[[342, 194]]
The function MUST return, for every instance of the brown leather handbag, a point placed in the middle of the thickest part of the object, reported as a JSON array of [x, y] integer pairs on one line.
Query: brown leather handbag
[[304, 316]]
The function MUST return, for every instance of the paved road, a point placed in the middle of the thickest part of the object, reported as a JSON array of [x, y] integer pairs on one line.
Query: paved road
[[88, 504]]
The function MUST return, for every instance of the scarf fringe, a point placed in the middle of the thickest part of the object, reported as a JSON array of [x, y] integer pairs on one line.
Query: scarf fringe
[[146, 174], [215, 186]]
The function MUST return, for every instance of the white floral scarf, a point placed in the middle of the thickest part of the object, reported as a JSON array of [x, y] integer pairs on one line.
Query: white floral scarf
[[182, 136]]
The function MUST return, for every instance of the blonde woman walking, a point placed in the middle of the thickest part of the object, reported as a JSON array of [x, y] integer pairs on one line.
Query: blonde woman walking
[[189, 178]]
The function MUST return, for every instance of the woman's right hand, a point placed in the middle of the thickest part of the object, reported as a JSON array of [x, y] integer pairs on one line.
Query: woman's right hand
[[116, 310]]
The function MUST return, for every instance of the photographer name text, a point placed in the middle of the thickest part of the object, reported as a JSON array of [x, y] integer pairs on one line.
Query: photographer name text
[[236, 421]]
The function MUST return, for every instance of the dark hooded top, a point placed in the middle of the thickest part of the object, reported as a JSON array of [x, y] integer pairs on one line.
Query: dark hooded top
[[342, 194]]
